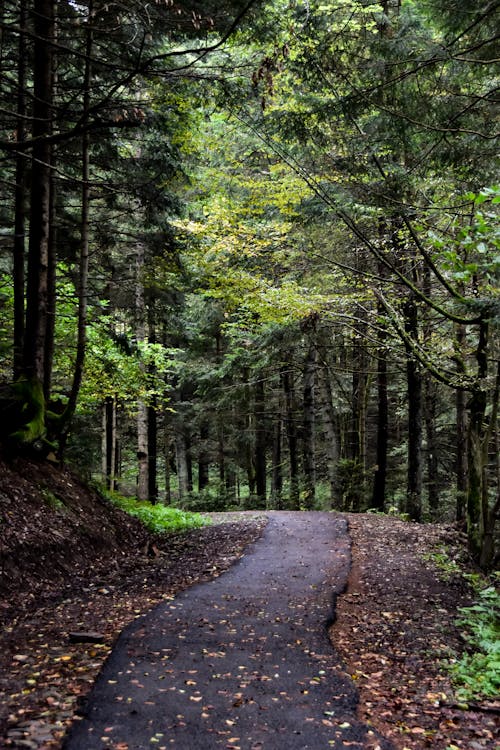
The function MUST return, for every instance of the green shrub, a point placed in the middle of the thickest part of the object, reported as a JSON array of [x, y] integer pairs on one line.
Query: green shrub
[[158, 518], [477, 673]]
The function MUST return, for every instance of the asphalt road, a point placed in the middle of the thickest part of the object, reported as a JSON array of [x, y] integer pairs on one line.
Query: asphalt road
[[243, 661]]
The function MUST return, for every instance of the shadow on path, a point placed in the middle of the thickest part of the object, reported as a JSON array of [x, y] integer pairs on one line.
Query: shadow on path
[[243, 661]]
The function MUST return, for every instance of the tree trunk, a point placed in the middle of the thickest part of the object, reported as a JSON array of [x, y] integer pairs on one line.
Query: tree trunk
[[430, 389], [184, 471], [308, 430], [414, 385], [168, 458], [476, 449], [462, 429], [260, 446], [380, 475], [20, 200], [109, 442], [291, 433], [38, 254], [357, 451], [142, 408], [277, 472], [203, 465], [331, 437], [152, 452], [83, 270]]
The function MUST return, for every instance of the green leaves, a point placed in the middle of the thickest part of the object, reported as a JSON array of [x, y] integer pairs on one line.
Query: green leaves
[[158, 518], [477, 673]]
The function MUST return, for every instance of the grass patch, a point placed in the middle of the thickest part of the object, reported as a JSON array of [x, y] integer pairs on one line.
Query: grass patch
[[158, 518]]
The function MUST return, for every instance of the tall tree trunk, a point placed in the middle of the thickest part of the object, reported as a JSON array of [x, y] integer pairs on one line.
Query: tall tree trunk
[[308, 429], [83, 270], [277, 458], [142, 408], [168, 458], [414, 385], [380, 475], [476, 448], [260, 445], [152, 451], [430, 390], [38, 254], [184, 469], [291, 433], [462, 429], [20, 199], [357, 452], [331, 437], [109, 442], [203, 465]]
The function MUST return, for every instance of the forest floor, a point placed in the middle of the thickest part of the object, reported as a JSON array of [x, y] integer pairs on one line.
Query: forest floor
[[71, 563]]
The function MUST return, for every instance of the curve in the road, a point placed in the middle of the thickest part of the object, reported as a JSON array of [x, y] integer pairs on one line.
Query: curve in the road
[[243, 661]]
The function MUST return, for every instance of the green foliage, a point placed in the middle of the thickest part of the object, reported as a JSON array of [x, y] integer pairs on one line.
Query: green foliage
[[477, 673], [210, 499], [446, 566], [158, 518], [51, 500]]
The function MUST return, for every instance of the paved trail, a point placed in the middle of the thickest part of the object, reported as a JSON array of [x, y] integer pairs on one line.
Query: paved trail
[[241, 662]]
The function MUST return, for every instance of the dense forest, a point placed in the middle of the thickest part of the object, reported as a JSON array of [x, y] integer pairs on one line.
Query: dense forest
[[249, 254]]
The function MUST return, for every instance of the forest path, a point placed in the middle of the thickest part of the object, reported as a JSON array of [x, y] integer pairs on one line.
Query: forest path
[[243, 661]]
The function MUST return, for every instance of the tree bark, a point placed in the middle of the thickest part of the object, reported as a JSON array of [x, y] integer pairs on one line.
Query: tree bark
[[203, 465], [109, 442], [291, 433], [83, 270], [260, 445], [430, 390], [38, 253], [476, 510], [308, 429], [331, 438], [184, 471], [380, 474], [462, 429], [20, 200], [142, 408], [277, 458], [414, 386]]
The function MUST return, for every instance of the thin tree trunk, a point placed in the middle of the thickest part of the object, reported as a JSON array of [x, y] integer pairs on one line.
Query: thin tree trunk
[[308, 429], [109, 442], [20, 199], [461, 422], [83, 271], [414, 385], [332, 446], [203, 476], [152, 451], [291, 433], [142, 408], [430, 389], [260, 445], [168, 457], [475, 449], [184, 476], [277, 471], [380, 475], [38, 254]]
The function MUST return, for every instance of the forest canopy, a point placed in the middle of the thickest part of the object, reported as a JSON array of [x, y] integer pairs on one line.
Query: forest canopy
[[249, 253]]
